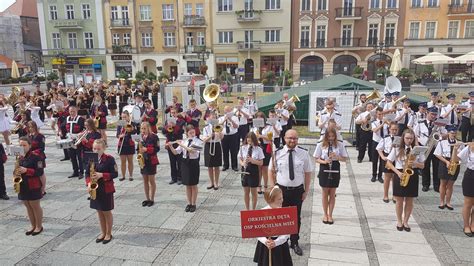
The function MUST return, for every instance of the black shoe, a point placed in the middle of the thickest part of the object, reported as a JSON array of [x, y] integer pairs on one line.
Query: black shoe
[[122, 179], [4, 197], [216, 188], [81, 176], [297, 249], [235, 169], [425, 189], [373, 179], [144, 203], [150, 203], [172, 182], [107, 241], [29, 232], [98, 240], [193, 208], [211, 187], [73, 175], [225, 169], [386, 200], [449, 207], [64, 159], [441, 207], [37, 233], [188, 207], [469, 234], [130, 179], [179, 182], [380, 180], [330, 222], [406, 228], [359, 161], [400, 228]]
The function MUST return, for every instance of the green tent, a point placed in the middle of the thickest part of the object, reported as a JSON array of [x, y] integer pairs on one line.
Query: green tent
[[334, 82]]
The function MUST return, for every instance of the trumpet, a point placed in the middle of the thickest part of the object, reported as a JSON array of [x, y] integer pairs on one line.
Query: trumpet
[[395, 103], [170, 129], [17, 179], [15, 130], [79, 139], [94, 184]]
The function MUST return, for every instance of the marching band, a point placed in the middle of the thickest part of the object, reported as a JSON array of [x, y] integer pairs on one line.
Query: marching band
[[401, 144]]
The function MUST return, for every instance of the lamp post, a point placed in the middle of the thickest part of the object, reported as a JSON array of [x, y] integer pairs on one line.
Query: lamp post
[[62, 59], [35, 61], [203, 55], [381, 49]]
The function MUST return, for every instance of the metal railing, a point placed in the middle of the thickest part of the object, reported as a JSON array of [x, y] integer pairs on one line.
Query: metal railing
[[461, 9], [347, 42], [253, 45], [248, 15], [68, 23], [194, 20], [124, 22], [349, 12], [122, 49], [190, 49]]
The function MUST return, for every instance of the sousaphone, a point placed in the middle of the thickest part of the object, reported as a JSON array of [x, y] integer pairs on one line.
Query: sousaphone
[[211, 92], [392, 84]]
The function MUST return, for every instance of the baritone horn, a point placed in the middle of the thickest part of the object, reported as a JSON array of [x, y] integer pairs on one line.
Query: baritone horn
[[375, 94], [211, 92]]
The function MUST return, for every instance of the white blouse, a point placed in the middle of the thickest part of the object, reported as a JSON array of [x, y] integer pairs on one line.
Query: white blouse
[[269, 128], [322, 152], [207, 132], [443, 149], [193, 154], [467, 156], [257, 152], [400, 162]]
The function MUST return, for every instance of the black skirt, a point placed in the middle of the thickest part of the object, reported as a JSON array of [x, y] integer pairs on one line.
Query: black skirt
[[126, 150], [280, 255], [252, 179], [103, 201], [83, 112], [443, 172], [29, 194], [411, 190], [190, 172], [148, 169], [213, 161], [103, 125], [385, 169], [329, 180], [468, 183]]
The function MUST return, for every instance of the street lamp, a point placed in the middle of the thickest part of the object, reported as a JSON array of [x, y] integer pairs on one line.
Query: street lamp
[[381, 49], [203, 55], [35, 61], [62, 59]]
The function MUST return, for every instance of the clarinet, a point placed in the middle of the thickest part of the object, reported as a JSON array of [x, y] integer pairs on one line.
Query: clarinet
[[249, 154], [330, 160]]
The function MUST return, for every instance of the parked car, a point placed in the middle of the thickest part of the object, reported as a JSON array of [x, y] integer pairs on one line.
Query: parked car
[[40, 74], [28, 75]]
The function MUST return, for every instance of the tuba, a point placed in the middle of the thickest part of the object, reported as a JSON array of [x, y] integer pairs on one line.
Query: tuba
[[211, 92], [17, 179], [94, 184], [407, 170], [140, 156], [454, 162]]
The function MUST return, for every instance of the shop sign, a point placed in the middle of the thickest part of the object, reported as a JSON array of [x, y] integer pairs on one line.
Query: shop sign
[[72, 61], [57, 61], [122, 57], [97, 66], [85, 61]]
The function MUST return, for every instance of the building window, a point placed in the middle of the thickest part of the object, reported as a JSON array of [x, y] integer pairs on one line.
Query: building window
[[226, 37], [145, 13], [147, 39], [72, 40], [224, 5], [304, 39], [56, 40], [168, 12], [89, 40], [322, 5], [188, 9], [432, 3], [201, 39], [453, 29], [390, 34], [374, 4], [469, 31], [86, 11], [321, 36], [189, 39], [69, 11], [415, 3], [456, 2], [53, 12], [391, 4], [126, 39], [346, 35], [125, 15], [114, 13], [116, 39], [430, 30], [272, 4], [200, 10], [272, 36], [373, 34], [170, 39], [305, 5], [414, 30]]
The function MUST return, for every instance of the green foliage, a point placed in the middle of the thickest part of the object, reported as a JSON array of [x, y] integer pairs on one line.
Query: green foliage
[[357, 73], [52, 76], [123, 75], [140, 76], [287, 76], [404, 73], [225, 77], [428, 69], [163, 76], [151, 76]]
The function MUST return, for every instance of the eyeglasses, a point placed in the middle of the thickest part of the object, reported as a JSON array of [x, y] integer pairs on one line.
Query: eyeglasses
[[291, 138]]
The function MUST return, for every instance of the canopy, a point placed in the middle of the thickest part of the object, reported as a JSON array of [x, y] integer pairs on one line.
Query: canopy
[[396, 63], [466, 59], [434, 58], [15, 72]]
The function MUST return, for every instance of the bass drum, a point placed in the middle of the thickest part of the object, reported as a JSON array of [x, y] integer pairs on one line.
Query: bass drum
[[134, 112]]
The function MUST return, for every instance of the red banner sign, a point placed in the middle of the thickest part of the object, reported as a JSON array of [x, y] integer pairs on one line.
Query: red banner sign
[[269, 222]]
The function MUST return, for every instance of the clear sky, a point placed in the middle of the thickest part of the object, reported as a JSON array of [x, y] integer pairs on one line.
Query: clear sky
[[5, 3]]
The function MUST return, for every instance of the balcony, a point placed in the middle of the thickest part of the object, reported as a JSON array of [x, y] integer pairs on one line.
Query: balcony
[[248, 15], [461, 9], [122, 49], [145, 24], [192, 49], [304, 43], [68, 24], [123, 23], [345, 13], [194, 21], [321, 43], [249, 46], [168, 25], [73, 52], [374, 42], [347, 42]]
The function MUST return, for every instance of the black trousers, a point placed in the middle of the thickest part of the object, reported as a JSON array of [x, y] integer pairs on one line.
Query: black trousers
[[76, 160], [365, 143], [175, 163], [358, 130], [467, 130], [293, 198], [426, 172], [154, 100], [377, 162], [291, 122], [243, 131], [66, 151], [230, 145], [282, 134], [3, 188]]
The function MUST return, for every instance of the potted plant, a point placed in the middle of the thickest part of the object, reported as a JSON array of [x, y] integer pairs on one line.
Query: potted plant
[[428, 75], [404, 75], [357, 72]]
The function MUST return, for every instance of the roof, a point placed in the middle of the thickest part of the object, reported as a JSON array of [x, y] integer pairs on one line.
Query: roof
[[8, 62], [334, 82], [22, 8]]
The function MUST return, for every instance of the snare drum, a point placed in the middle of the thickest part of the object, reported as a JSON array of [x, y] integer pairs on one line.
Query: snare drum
[[134, 112], [64, 144]]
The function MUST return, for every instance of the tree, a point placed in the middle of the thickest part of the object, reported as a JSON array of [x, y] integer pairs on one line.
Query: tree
[[53, 76], [122, 75]]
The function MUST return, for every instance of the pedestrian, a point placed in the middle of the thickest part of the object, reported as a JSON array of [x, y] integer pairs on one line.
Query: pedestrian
[[250, 158]]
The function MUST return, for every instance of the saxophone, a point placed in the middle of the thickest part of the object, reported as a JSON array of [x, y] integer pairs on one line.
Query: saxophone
[[454, 162], [407, 170], [94, 184], [433, 139], [140, 156], [17, 179]]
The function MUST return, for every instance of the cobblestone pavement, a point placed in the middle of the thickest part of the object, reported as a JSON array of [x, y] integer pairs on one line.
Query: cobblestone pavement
[[162, 235], [364, 230]]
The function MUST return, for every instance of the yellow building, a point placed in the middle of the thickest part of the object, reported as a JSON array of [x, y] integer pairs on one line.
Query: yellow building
[[251, 37], [149, 35], [445, 26]]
